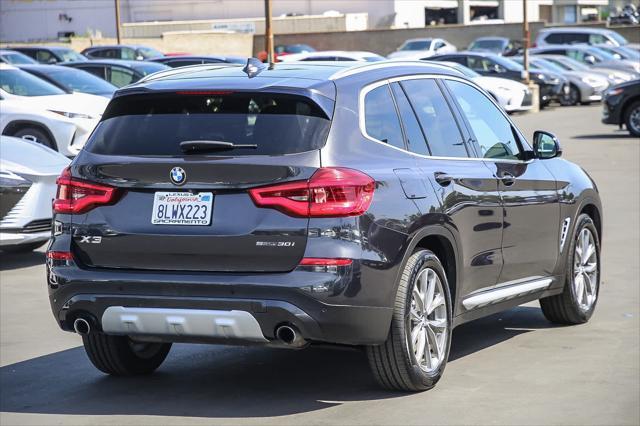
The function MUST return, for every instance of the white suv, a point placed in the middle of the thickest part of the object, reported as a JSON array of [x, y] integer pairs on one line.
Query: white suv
[[577, 35]]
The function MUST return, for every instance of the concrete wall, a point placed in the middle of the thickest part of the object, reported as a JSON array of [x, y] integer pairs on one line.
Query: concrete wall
[[200, 42], [288, 25], [384, 42]]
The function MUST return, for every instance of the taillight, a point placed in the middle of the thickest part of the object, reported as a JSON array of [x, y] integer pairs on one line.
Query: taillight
[[77, 196], [331, 192], [323, 261], [59, 255]]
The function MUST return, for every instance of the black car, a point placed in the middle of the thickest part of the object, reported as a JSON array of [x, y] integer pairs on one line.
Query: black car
[[133, 52], [552, 86], [71, 80], [188, 60], [622, 106], [376, 205], [118, 72], [50, 54], [499, 45]]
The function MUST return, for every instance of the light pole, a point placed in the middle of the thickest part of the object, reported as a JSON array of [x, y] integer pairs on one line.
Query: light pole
[[525, 40], [117, 6], [268, 33]]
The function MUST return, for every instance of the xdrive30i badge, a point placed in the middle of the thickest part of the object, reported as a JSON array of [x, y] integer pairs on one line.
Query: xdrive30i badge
[[178, 176]]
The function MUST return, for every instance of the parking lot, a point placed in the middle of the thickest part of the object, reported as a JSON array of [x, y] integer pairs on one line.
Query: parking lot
[[510, 368]]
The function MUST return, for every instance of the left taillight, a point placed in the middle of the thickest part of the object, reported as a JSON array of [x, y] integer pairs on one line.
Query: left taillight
[[76, 196]]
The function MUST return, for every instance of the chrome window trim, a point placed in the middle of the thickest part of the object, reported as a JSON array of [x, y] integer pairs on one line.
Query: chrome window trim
[[361, 117]]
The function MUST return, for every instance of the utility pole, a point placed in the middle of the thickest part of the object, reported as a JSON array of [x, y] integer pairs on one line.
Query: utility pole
[[268, 33], [525, 40], [117, 6]]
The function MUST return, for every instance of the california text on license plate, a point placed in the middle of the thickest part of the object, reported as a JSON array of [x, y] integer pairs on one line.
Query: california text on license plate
[[182, 208]]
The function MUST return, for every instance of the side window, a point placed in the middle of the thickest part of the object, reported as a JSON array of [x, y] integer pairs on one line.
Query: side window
[[554, 38], [438, 123], [184, 63], [480, 64], [457, 59], [597, 39], [576, 38], [555, 52], [45, 57], [381, 118], [439, 45], [127, 53], [494, 134], [121, 77], [412, 131], [95, 70]]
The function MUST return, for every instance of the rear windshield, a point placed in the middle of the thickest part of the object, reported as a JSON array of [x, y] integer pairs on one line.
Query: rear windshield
[[155, 125]]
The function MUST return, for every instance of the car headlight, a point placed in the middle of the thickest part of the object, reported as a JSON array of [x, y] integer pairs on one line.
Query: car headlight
[[542, 77], [592, 81], [71, 114], [615, 91]]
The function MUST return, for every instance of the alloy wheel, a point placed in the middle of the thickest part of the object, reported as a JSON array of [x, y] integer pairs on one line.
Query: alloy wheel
[[427, 321], [585, 270], [634, 120]]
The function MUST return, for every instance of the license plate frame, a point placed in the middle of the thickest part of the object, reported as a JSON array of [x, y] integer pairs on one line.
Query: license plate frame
[[182, 208]]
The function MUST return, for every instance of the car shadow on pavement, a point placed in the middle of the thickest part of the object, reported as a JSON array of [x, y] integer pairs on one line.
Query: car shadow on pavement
[[9, 261], [624, 135], [226, 382]]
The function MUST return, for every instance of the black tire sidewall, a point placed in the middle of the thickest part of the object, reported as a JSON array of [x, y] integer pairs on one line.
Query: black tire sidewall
[[425, 259], [627, 118], [41, 136], [583, 221]]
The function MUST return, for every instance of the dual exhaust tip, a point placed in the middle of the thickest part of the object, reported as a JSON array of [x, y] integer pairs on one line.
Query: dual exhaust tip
[[287, 334]]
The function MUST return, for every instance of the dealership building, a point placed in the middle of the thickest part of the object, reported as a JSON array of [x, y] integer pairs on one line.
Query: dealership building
[[24, 20]]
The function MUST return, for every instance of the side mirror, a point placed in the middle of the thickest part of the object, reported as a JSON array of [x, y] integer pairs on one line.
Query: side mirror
[[546, 145], [590, 59], [139, 58]]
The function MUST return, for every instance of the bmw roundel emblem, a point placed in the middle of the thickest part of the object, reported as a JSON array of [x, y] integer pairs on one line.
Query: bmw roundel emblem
[[178, 176]]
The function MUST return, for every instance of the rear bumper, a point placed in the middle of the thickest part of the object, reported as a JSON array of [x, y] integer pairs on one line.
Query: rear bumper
[[301, 299]]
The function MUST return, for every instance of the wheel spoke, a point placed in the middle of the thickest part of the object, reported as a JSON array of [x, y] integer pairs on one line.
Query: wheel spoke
[[590, 268], [430, 278], [579, 286], [433, 342], [420, 346], [427, 349], [415, 315], [438, 323], [417, 298], [414, 336], [438, 300], [588, 252], [589, 287]]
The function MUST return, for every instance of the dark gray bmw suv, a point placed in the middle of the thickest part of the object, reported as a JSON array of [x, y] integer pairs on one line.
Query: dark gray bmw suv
[[376, 205]]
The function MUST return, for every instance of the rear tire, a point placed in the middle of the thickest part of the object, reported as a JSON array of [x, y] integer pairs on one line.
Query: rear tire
[[398, 363], [121, 356], [576, 303], [632, 119], [572, 98], [36, 135]]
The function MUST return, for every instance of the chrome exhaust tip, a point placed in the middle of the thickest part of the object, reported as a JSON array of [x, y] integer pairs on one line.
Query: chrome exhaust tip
[[290, 336], [81, 326]]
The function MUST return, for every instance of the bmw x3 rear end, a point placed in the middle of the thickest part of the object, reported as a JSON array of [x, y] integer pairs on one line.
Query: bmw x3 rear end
[[308, 204]]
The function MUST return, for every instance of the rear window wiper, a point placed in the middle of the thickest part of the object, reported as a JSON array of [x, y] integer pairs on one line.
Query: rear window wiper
[[199, 146]]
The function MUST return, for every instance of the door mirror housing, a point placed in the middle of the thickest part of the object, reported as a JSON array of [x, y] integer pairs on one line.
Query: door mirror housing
[[546, 145], [590, 59]]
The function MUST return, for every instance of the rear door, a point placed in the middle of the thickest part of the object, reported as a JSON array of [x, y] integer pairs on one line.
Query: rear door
[[136, 149], [530, 238], [468, 191]]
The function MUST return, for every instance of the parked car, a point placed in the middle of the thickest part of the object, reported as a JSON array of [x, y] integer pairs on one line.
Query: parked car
[[552, 86], [39, 111], [28, 173], [71, 80], [620, 52], [576, 35], [15, 58], [570, 64], [50, 54], [584, 87], [629, 15], [282, 50], [424, 47], [133, 52], [188, 60], [376, 205], [118, 72], [334, 55], [622, 106], [591, 56], [499, 45], [509, 94]]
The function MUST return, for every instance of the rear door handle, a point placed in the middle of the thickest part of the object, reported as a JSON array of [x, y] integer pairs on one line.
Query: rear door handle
[[508, 179], [443, 178]]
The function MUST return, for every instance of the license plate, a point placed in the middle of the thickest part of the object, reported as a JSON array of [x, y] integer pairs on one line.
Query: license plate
[[182, 208]]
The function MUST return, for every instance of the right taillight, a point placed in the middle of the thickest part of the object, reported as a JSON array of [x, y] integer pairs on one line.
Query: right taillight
[[331, 192], [77, 196]]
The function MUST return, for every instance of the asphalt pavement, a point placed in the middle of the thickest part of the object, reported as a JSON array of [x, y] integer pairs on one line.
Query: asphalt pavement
[[513, 368]]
